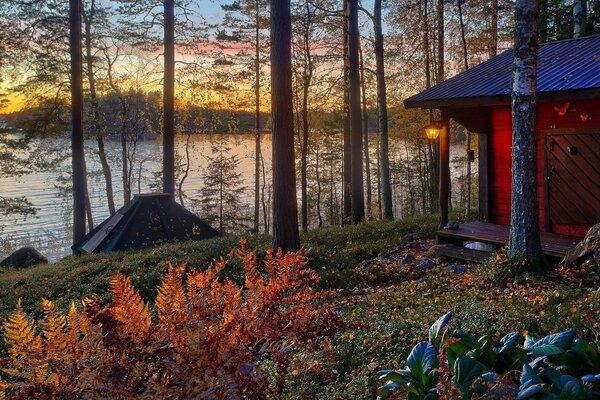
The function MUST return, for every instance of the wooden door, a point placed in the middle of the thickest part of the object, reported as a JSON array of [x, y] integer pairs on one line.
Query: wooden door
[[572, 179]]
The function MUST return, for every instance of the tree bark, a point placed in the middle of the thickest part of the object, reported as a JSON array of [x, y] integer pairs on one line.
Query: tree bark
[[169, 99], [285, 208], [358, 197], [524, 237], [347, 173], [306, 82], [440, 43], [494, 30], [77, 149], [97, 125], [365, 131], [384, 158], [462, 35], [579, 16], [257, 118], [466, 65], [444, 191]]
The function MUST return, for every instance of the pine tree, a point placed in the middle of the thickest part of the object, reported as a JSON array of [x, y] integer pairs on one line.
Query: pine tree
[[220, 201]]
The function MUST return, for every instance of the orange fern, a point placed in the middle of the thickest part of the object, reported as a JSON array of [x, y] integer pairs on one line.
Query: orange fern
[[171, 298], [129, 309]]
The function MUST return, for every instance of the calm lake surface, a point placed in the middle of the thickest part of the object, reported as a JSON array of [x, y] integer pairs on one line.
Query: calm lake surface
[[50, 230]]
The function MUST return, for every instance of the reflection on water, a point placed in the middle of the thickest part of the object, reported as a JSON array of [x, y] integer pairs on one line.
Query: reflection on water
[[50, 230]]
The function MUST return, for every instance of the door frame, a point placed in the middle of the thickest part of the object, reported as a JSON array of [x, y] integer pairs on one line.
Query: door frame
[[555, 132]]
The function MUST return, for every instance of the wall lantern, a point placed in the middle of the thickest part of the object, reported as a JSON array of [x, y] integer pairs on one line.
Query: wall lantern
[[432, 131]]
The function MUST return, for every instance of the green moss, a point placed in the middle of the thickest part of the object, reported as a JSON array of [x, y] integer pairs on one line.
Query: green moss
[[334, 253]]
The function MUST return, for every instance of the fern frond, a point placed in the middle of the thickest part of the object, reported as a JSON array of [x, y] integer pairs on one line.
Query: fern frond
[[54, 330], [3, 387], [20, 336], [128, 308], [171, 298]]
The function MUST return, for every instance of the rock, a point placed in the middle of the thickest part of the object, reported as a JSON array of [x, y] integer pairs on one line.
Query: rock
[[452, 225], [458, 268], [339, 309], [589, 245], [407, 259], [425, 265], [23, 258]]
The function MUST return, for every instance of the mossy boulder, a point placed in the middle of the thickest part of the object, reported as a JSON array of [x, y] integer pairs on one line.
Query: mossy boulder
[[589, 246], [24, 257]]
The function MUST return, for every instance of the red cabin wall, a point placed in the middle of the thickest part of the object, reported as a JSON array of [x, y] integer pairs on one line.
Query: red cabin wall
[[500, 142]]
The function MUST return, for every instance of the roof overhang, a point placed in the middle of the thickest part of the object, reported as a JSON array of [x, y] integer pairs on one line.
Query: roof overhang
[[487, 101]]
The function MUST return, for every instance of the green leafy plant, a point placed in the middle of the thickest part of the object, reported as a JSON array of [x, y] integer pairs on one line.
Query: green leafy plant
[[558, 366]]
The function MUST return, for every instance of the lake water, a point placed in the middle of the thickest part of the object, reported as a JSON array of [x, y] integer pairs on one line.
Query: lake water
[[50, 230]]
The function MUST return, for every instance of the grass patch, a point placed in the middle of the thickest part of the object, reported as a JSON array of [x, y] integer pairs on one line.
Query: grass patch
[[333, 252]]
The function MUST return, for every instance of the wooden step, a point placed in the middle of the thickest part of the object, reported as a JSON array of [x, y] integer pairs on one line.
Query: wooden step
[[463, 253]]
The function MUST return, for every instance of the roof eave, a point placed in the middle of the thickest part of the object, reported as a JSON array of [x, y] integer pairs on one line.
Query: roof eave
[[461, 102]]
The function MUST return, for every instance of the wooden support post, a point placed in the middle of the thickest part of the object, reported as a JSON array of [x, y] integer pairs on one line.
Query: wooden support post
[[484, 182], [444, 169]]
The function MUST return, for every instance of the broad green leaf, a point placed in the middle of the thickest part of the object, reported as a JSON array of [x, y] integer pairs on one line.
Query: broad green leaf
[[529, 377], [529, 341], [574, 390], [466, 369], [436, 328], [546, 350], [509, 341], [564, 340], [529, 392], [591, 378], [422, 358]]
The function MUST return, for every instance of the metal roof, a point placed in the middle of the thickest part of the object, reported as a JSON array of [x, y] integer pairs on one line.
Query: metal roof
[[564, 67], [148, 220]]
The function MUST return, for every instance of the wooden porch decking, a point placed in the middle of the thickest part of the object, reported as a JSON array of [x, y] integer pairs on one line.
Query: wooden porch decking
[[553, 245]]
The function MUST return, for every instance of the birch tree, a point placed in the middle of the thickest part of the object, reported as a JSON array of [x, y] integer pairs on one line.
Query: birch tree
[[524, 238]]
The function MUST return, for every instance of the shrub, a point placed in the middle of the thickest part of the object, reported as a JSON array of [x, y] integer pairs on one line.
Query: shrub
[[558, 366], [206, 337]]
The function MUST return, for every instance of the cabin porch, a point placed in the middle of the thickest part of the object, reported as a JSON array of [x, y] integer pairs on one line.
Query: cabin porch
[[553, 245]]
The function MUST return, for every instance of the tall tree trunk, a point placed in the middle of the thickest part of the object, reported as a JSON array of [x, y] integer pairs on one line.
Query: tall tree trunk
[[468, 204], [378, 174], [384, 157], [440, 41], [285, 208], [125, 170], [347, 178], [494, 30], [97, 125], [358, 197], [77, 149], [186, 171], [257, 117], [462, 35], [365, 131], [579, 16], [306, 82], [466, 65], [524, 238], [432, 147], [318, 179], [169, 99], [544, 20]]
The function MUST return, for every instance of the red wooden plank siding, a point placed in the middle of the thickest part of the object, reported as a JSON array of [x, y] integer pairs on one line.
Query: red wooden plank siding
[[500, 162]]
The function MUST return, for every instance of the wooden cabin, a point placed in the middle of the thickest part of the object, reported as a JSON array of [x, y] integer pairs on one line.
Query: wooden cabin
[[568, 142]]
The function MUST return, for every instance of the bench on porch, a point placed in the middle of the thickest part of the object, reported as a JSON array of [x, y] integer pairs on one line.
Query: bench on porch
[[452, 241]]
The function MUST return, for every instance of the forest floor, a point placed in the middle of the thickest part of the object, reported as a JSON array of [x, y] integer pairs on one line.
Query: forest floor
[[388, 285]]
